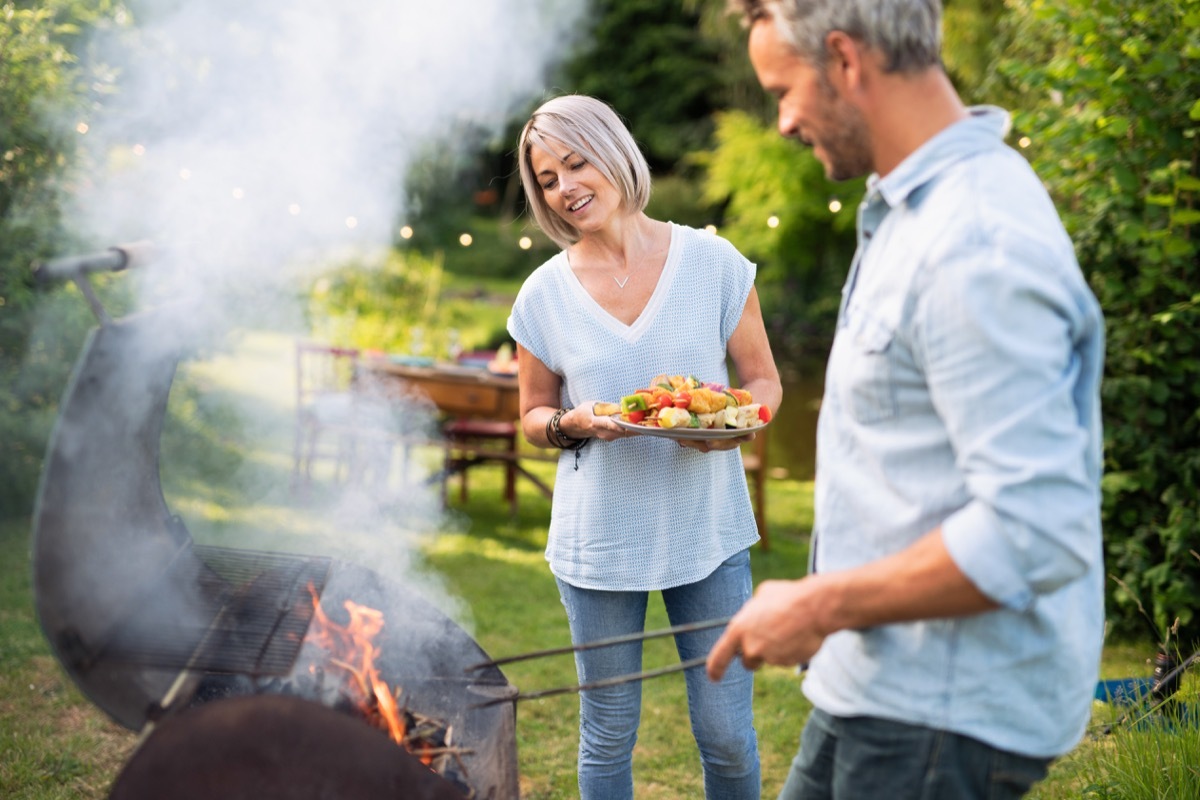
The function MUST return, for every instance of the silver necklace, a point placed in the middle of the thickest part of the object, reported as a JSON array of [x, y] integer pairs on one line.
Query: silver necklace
[[621, 283]]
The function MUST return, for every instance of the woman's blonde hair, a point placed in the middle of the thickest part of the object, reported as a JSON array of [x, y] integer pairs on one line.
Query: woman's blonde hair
[[591, 129]]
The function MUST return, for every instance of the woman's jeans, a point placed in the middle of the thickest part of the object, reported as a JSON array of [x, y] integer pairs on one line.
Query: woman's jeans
[[857, 757], [721, 713]]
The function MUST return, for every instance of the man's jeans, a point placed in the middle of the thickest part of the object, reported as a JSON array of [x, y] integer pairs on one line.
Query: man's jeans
[[862, 758], [721, 713]]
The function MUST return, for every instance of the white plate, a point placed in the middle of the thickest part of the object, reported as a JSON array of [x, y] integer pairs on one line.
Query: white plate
[[699, 434]]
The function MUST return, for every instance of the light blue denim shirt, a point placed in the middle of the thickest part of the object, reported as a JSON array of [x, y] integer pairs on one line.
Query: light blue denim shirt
[[963, 391]]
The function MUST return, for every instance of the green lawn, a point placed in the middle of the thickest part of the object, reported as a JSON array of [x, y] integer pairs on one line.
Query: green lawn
[[226, 465]]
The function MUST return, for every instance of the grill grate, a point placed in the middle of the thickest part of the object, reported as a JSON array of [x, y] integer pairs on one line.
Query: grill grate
[[247, 614]]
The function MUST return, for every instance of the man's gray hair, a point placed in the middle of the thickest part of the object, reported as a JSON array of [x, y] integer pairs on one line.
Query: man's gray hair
[[907, 32]]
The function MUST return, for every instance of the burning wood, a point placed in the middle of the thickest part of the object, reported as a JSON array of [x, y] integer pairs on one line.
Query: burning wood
[[354, 654]]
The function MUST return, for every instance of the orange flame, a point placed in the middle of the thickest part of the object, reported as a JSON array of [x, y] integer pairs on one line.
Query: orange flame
[[352, 650]]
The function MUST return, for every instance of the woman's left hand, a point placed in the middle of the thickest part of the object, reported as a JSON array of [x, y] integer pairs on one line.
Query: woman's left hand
[[708, 445]]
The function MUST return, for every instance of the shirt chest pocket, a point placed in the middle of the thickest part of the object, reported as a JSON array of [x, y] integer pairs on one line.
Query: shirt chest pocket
[[867, 371]]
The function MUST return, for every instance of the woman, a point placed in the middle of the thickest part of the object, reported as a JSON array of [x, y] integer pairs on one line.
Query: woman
[[629, 298]]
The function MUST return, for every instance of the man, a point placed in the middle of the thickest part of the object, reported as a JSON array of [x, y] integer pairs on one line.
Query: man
[[953, 616]]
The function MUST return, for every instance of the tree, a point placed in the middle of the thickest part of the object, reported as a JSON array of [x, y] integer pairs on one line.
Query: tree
[[646, 60], [783, 213], [1109, 92], [756, 176], [40, 69]]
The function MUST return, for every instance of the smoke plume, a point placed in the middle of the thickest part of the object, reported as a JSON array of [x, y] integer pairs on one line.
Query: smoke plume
[[252, 140]]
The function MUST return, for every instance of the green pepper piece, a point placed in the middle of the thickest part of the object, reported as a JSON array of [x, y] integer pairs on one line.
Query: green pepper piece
[[693, 419], [634, 402]]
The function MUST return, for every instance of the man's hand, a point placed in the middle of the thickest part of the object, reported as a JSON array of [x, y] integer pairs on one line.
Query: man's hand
[[778, 626], [786, 621]]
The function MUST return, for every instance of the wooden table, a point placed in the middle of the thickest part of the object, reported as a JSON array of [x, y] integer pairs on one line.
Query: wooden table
[[469, 392], [457, 391]]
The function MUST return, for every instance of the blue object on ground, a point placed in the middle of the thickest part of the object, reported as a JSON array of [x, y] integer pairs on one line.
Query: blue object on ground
[[1124, 691], [1171, 716]]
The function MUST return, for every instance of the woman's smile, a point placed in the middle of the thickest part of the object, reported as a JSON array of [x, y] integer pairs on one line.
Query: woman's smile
[[572, 185]]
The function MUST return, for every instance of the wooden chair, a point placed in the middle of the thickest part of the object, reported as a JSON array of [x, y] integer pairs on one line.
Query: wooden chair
[[754, 460], [335, 422], [471, 442]]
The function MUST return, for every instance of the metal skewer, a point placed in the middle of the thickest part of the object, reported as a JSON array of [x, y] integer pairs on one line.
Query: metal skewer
[[623, 639], [615, 681]]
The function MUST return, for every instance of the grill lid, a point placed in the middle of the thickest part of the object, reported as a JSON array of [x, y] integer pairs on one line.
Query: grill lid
[[144, 620], [123, 595]]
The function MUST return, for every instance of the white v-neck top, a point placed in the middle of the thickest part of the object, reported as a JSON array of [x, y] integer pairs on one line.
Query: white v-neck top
[[641, 513]]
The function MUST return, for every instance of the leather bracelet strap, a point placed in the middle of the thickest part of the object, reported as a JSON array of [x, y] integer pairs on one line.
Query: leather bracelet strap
[[556, 437], [552, 429]]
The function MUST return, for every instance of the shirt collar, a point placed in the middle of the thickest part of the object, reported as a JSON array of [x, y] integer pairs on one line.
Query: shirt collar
[[984, 128]]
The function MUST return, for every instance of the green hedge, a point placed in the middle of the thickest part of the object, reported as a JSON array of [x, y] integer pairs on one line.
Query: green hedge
[[1109, 92]]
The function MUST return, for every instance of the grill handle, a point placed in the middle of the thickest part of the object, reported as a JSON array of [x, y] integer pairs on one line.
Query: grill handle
[[114, 259]]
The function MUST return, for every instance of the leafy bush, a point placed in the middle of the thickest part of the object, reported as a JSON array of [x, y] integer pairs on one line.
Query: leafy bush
[[404, 302], [764, 179], [1109, 96], [495, 250], [39, 334]]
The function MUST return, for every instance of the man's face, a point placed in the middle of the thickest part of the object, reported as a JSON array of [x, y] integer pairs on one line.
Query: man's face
[[810, 107]]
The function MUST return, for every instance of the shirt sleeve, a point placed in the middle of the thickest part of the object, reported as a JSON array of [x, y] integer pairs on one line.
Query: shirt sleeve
[[526, 320], [737, 279], [1002, 339]]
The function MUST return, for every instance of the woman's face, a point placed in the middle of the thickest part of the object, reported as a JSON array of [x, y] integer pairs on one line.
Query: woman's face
[[573, 188]]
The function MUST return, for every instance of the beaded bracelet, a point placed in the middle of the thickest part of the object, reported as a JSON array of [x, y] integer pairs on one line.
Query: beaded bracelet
[[556, 437]]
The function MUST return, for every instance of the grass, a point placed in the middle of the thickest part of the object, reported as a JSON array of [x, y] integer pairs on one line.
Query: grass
[[485, 562], [54, 744], [484, 568]]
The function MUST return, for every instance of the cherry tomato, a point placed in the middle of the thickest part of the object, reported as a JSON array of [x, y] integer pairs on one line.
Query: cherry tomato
[[683, 399], [764, 414], [635, 416]]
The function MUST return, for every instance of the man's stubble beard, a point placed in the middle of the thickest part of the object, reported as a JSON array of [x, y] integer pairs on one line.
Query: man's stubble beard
[[845, 140]]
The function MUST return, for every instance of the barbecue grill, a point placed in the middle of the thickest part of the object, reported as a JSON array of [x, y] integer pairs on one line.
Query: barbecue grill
[[175, 639]]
